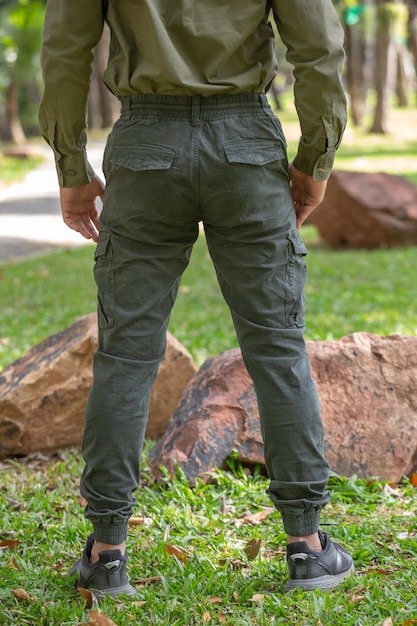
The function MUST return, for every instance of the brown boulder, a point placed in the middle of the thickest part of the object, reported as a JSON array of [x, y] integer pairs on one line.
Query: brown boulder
[[43, 394], [363, 210], [368, 390]]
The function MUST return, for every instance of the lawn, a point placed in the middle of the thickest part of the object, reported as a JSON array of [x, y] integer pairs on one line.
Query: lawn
[[347, 291], [13, 168], [208, 555], [214, 554]]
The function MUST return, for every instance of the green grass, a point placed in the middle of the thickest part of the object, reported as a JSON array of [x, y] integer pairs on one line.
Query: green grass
[[13, 168], [217, 583], [347, 291], [43, 295]]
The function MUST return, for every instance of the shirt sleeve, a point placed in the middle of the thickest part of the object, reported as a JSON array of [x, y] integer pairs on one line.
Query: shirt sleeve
[[313, 36], [71, 30]]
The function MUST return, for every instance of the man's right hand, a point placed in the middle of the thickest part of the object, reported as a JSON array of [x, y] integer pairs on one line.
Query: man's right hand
[[79, 210], [307, 193]]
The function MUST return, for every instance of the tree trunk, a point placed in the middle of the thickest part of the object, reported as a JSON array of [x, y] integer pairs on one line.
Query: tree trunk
[[402, 78], [356, 63], [385, 67], [12, 112], [103, 107], [412, 30]]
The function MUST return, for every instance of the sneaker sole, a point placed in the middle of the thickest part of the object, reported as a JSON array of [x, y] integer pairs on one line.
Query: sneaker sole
[[321, 582], [113, 592]]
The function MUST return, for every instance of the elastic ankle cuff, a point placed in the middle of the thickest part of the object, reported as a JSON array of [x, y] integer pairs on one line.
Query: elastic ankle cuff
[[113, 534], [301, 524]]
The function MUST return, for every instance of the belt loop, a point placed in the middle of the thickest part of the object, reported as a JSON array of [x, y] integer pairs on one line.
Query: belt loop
[[126, 108], [264, 102], [195, 110]]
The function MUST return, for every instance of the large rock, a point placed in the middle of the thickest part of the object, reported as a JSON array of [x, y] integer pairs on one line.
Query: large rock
[[367, 211], [43, 394], [368, 390]]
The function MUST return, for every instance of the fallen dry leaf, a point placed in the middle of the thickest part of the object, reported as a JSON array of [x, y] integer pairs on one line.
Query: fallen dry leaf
[[252, 548], [272, 554], [402, 535], [147, 581], [413, 480], [138, 603], [9, 544], [357, 595], [12, 563], [215, 600], [387, 622], [257, 597], [179, 553], [81, 501], [89, 597], [392, 490], [21, 594], [99, 619], [136, 521], [206, 617], [221, 617], [409, 622], [256, 518], [233, 563]]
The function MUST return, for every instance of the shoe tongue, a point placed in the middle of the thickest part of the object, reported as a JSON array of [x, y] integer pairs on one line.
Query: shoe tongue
[[323, 539], [110, 555]]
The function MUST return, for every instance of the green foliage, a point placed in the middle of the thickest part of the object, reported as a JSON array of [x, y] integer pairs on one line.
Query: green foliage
[[393, 16]]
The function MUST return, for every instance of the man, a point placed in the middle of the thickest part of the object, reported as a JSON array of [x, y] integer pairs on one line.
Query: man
[[197, 141]]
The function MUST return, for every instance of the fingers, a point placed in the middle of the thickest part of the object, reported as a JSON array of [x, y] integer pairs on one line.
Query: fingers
[[83, 224], [79, 211], [307, 193]]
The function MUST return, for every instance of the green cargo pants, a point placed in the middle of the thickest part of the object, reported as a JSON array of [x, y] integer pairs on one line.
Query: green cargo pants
[[171, 162]]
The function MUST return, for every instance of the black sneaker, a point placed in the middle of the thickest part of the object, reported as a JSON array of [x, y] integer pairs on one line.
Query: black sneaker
[[318, 570], [107, 576]]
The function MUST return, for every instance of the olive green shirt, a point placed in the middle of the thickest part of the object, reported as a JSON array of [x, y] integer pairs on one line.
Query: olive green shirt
[[191, 47]]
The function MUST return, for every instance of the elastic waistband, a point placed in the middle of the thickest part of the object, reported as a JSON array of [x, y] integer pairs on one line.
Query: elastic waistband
[[191, 107]]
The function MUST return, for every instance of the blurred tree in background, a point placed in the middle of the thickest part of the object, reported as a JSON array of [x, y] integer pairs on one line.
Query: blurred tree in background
[[380, 40], [20, 82], [381, 47]]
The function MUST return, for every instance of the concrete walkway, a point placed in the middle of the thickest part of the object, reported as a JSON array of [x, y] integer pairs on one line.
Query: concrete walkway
[[30, 215]]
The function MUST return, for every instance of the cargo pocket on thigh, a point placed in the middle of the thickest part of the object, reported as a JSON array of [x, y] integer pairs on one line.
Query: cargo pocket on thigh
[[104, 277], [296, 276]]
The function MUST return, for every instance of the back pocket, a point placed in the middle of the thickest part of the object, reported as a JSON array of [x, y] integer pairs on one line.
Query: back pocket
[[253, 152], [143, 157]]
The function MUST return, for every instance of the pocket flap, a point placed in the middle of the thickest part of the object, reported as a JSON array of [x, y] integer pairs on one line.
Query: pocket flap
[[297, 243], [103, 242], [143, 157], [253, 152]]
